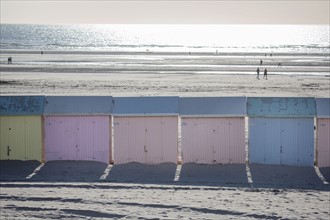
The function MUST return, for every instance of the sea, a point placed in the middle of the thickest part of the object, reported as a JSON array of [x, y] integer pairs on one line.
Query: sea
[[167, 38]]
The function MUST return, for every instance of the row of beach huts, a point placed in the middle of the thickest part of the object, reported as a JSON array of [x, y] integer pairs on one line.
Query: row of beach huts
[[153, 130]]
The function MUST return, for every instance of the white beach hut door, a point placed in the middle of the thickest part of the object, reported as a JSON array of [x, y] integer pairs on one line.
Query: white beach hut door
[[297, 141], [265, 141], [323, 142], [283, 141]]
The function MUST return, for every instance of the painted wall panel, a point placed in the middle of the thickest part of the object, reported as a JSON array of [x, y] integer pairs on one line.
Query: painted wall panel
[[22, 105], [233, 106], [77, 138], [134, 106], [148, 140], [21, 138], [323, 107], [286, 141], [213, 140], [323, 142], [281, 107], [78, 105]]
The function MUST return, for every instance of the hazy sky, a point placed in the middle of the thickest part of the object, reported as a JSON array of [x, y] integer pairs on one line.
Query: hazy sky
[[166, 12]]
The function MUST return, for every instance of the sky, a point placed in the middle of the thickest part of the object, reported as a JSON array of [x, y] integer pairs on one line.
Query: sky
[[165, 12]]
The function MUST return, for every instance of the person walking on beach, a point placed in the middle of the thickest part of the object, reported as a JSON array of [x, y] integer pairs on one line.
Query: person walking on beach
[[258, 71], [10, 60], [261, 62], [265, 73]]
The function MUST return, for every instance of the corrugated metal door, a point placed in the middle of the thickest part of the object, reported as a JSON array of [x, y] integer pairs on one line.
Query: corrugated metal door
[[77, 138], [286, 141], [264, 141], [21, 138], [213, 140], [197, 140], [129, 139], [93, 138], [148, 140], [323, 142], [237, 140], [61, 138]]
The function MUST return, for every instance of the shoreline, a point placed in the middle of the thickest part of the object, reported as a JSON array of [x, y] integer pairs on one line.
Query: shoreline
[[143, 51]]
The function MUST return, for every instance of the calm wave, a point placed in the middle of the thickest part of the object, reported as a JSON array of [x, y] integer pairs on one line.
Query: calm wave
[[176, 38]]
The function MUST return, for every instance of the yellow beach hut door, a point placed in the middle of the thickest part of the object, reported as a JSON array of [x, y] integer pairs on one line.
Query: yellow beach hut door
[[20, 138]]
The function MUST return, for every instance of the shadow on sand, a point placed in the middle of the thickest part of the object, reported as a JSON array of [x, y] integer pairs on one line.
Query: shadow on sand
[[140, 173], [70, 171], [16, 170], [325, 171], [214, 175], [285, 177], [235, 175]]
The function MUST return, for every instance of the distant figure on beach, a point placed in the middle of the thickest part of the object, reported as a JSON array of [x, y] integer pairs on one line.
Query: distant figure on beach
[[41, 52], [265, 54], [261, 62], [271, 55], [265, 73], [258, 71], [279, 65], [10, 60]]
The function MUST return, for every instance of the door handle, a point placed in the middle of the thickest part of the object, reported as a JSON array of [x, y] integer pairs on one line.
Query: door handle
[[8, 151]]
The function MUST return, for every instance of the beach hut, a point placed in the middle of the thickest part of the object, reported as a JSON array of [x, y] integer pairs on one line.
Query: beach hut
[[213, 129], [323, 132], [21, 127], [281, 130], [145, 129], [78, 128]]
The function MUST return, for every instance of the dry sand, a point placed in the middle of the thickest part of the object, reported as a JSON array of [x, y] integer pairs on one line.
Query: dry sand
[[162, 85], [148, 201]]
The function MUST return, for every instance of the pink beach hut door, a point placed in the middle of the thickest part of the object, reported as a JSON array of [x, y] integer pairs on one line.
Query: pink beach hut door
[[197, 140], [129, 140], [161, 139], [77, 138], [148, 140], [61, 138], [213, 140], [93, 138]]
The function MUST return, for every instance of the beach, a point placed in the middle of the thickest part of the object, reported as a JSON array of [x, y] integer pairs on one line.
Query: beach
[[163, 74], [142, 201], [74, 189]]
